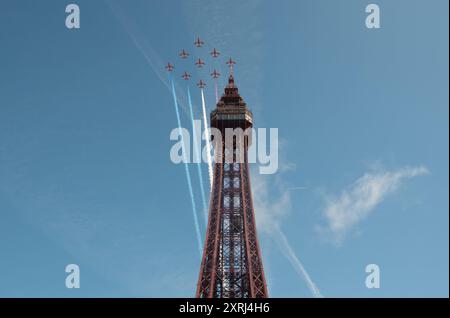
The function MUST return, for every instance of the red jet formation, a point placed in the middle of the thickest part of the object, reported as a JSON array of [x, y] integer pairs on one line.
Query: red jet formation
[[198, 43], [201, 84], [230, 62], [184, 54], [215, 53], [215, 74], [200, 63], [169, 67], [186, 76]]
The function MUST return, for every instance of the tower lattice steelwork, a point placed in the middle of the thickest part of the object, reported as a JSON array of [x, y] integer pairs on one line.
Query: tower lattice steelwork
[[231, 265]]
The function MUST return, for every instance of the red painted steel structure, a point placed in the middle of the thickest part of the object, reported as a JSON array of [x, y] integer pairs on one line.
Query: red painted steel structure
[[231, 265]]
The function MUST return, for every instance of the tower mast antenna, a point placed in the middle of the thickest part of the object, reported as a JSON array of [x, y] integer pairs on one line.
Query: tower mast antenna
[[231, 63]]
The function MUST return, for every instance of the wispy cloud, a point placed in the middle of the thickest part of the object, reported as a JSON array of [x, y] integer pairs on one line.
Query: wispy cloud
[[271, 213], [356, 202]]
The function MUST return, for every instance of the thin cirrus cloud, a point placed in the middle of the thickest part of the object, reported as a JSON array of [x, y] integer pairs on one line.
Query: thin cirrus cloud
[[355, 203], [270, 214]]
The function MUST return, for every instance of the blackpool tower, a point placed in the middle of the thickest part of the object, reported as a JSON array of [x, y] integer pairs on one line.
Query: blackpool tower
[[231, 264]]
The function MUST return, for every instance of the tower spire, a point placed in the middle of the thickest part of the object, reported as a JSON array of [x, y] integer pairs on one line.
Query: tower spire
[[230, 81], [231, 64]]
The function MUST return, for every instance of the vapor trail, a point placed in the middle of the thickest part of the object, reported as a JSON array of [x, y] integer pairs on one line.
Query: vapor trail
[[139, 40], [186, 167], [197, 149], [208, 146], [216, 90], [297, 188], [295, 262]]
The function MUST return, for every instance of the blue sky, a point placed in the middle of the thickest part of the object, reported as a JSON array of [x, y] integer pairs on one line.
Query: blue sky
[[85, 117]]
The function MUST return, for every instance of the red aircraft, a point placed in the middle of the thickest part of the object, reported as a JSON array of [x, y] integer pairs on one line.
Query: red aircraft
[[169, 67], [186, 76], [215, 53], [215, 74], [201, 84], [230, 62], [184, 54], [200, 63], [198, 42]]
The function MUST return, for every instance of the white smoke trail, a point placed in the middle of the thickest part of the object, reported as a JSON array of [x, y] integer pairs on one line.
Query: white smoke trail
[[287, 250], [208, 145], [197, 148], [216, 90], [156, 64], [139, 39], [186, 167]]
